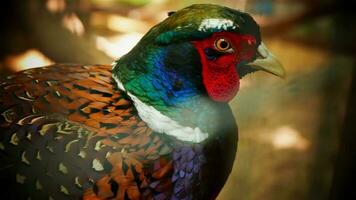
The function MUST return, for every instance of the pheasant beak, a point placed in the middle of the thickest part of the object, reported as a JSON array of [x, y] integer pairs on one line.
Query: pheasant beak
[[267, 62]]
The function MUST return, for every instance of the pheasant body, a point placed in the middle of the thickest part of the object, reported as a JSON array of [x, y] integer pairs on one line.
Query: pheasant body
[[154, 125], [46, 149]]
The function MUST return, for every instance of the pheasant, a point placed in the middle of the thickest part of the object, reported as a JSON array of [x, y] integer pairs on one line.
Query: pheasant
[[155, 124]]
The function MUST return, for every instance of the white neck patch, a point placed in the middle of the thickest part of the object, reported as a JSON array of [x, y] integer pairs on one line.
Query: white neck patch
[[163, 124], [216, 23]]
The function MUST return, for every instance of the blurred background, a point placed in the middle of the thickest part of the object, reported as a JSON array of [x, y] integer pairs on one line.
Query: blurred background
[[297, 135]]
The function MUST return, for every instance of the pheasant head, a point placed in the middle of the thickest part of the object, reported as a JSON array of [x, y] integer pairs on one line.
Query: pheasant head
[[191, 63]]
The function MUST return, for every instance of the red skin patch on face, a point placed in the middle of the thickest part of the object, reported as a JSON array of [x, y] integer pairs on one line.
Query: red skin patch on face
[[220, 76]]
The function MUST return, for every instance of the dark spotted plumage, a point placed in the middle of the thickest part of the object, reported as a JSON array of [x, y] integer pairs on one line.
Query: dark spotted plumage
[[68, 132]]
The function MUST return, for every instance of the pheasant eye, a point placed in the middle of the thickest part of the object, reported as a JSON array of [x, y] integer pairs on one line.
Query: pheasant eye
[[223, 45]]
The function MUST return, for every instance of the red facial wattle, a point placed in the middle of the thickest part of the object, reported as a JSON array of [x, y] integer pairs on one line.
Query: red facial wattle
[[220, 76]]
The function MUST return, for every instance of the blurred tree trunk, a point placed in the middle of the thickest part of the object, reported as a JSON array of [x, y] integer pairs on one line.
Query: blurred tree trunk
[[343, 185], [28, 24], [46, 27]]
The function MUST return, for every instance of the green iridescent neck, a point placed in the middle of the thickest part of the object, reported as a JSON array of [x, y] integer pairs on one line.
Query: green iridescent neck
[[164, 70], [168, 78]]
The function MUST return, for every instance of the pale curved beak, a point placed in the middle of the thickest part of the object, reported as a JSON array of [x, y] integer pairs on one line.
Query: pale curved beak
[[267, 62]]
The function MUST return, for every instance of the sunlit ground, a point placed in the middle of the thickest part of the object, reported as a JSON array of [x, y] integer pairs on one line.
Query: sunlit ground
[[32, 58]]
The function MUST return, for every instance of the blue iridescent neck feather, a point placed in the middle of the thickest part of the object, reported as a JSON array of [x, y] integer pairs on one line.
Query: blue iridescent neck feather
[[168, 78]]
